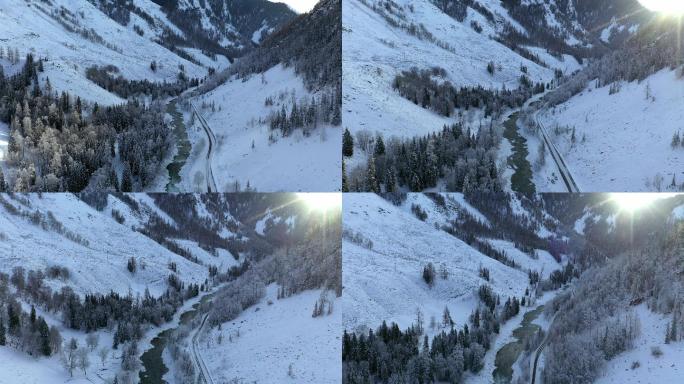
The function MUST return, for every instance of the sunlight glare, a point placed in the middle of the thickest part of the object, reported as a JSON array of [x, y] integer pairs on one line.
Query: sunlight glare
[[671, 7], [322, 201], [634, 201]]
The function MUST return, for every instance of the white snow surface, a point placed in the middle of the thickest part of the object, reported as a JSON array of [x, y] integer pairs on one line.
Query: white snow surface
[[274, 336], [666, 369], [374, 53], [544, 262], [627, 136], [224, 259], [98, 267], [19, 367], [26, 25], [312, 164], [4, 140], [386, 283]]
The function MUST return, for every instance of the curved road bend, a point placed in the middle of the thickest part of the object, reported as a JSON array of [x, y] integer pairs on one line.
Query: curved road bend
[[211, 182]]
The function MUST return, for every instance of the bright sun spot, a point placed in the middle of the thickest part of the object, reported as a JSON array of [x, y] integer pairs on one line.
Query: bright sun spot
[[322, 201], [672, 7], [635, 201]]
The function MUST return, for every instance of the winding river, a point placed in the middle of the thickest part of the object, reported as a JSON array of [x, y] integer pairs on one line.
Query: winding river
[[521, 181], [153, 363], [509, 353], [183, 146]]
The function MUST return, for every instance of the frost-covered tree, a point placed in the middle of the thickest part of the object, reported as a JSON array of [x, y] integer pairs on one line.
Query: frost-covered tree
[[347, 144]]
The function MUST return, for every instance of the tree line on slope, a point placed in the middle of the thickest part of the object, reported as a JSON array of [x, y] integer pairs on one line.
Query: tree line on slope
[[60, 144], [390, 355], [596, 322], [109, 78], [126, 316], [465, 160], [430, 89], [656, 46]]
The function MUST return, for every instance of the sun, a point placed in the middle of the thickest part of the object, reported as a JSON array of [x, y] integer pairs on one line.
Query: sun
[[321, 201], [632, 202], [671, 7]]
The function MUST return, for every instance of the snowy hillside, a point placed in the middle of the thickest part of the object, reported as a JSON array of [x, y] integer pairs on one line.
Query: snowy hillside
[[233, 27], [74, 38], [248, 151], [376, 49], [634, 365], [614, 129], [275, 112], [92, 245], [277, 341], [100, 288], [384, 282]]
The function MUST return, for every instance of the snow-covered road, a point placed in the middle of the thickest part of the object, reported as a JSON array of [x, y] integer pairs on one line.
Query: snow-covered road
[[197, 356], [211, 183], [557, 157]]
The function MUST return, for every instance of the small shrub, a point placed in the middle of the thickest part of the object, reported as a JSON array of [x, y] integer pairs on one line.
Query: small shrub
[[656, 352]]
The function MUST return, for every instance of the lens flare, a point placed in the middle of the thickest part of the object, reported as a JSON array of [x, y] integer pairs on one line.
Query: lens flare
[[321, 201], [670, 7], [635, 201]]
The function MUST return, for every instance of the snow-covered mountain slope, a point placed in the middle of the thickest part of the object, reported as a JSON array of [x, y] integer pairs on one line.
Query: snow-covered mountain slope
[[235, 25], [383, 38], [632, 366], [76, 36], [91, 244], [613, 130], [275, 112], [277, 341], [249, 151], [383, 280]]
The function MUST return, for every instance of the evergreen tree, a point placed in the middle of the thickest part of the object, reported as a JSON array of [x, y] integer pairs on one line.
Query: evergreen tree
[[33, 314], [3, 338], [379, 147], [390, 181], [429, 274], [347, 144], [14, 319], [372, 184], [131, 265], [126, 180], [345, 186], [446, 318], [44, 332]]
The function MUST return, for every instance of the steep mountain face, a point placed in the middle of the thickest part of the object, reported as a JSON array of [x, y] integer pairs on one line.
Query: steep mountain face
[[103, 232], [311, 43], [389, 240], [289, 93], [235, 25], [597, 16], [579, 27], [626, 100]]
